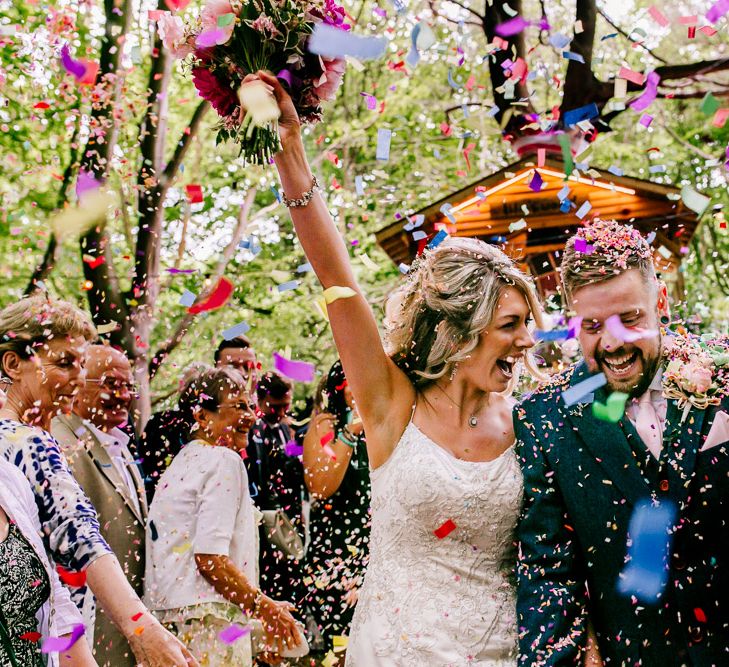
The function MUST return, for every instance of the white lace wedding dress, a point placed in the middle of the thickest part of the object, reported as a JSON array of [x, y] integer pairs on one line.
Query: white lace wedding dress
[[430, 602]]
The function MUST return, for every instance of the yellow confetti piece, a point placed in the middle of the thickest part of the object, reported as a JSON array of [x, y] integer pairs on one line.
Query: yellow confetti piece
[[106, 328], [77, 220], [321, 307], [340, 641], [331, 294], [329, 660], [182, 548], [365, 259]]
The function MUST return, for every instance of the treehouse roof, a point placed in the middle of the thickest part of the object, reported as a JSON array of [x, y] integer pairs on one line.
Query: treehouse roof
[[503, 209]]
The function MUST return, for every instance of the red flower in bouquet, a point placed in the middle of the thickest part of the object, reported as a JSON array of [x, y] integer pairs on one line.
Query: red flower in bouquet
[[210, 88]]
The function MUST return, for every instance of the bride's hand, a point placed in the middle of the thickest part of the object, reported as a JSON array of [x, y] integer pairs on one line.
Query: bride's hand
[[289, 125]]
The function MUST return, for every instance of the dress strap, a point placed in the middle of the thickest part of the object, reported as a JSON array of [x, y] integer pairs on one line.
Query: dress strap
[[412, 412]]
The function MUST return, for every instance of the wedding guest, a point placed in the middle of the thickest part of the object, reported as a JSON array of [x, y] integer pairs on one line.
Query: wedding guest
[[202, 535], [277, 482], [435, 404], [33, 602], [167, 431], [43, 347], [338, 481], [98, 454], [238, 353]]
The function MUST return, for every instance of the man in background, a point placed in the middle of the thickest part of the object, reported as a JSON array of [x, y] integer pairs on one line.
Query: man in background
[[238, 353], [98, 454]]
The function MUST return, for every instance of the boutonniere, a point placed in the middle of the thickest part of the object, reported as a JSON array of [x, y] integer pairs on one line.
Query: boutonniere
[[697, 370]]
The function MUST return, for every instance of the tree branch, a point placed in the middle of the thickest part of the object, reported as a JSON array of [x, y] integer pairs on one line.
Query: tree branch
[[170, 171], [184, 324], [627, 36]]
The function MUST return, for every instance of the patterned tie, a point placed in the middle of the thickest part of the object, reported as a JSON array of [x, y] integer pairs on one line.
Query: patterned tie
[[647, 424]]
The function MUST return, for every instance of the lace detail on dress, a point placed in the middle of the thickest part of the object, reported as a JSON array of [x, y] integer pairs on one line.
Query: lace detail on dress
[[429, 601]]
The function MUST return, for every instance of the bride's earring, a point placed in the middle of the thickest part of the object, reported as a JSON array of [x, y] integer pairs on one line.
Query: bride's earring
[[454, 370]]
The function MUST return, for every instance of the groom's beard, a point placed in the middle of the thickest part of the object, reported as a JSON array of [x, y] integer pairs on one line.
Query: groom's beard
[[632, 386]]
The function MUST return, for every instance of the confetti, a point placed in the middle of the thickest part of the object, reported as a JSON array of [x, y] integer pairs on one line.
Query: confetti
[[292, 448], [332, 42], [233, 633], [579, 391], [216, 299], [236, 330], [694, 200], [60, 644], [383, 144], [651, 90], [613, 409], [650, 538], [301, 371], [441, 236], [616, 327], [332, 294], [72, 579], [182, 548], [444, 530]]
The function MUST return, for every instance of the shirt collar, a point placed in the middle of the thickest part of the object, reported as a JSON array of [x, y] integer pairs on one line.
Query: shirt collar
[[115, 436], [657, 381]]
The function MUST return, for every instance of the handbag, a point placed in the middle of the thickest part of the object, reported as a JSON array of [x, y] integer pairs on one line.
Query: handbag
[[281, 532]]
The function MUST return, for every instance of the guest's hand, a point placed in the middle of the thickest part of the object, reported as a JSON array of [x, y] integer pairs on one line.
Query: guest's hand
[[156, 647], [279, 626]]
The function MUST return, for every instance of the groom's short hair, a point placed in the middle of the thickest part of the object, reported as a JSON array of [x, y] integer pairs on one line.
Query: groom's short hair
[[601, 250]]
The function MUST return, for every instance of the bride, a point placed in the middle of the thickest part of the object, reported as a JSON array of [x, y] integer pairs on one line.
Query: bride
[[446, 485]]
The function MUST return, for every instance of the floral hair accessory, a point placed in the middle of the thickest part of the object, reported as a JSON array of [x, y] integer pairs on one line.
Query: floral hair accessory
[[233, 38], [612, 239], [697, 372]]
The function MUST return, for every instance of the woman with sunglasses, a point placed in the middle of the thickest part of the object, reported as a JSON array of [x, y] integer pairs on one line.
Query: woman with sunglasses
[[202, 542], [42, 354]]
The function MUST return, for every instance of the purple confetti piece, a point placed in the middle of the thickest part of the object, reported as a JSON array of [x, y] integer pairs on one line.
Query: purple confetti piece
[[370, 100], [301, 371], [536, 183], [614, 325], [173, 270], [285, 75], [292, 448], [649, 94], [233, 633], [573, 326], [584, 247], [74, 67], [86, 183], [511, 27], [60, 644], [717, 11]]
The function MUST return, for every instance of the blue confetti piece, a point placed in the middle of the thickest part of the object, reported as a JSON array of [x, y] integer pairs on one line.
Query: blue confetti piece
[[383, 143], [583, 210], [332, 42], [492, 112], [153, 530], [464, 108], [236, 330], [581, 389], [451, 82], [565, 206], [441, 236], [612, 35], [413, 58], [559, 41], [574, 116], [616, 171], [276, 193], [403, 268], [650, 541], [563, 193], [553, 335], [650, 238], [446, 211], [571, 55], [285, 287], [359, 185], [414, 224], [419, 235], [187, 298], [304, 268]]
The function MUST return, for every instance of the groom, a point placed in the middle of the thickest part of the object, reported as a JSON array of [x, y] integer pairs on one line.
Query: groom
[[583, 476]]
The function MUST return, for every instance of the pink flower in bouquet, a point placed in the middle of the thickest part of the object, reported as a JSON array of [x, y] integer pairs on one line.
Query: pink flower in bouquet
[[334, 15], [172, 31], [209, 87], [265, 25], [328, 83], [209, 18], [697, 377]]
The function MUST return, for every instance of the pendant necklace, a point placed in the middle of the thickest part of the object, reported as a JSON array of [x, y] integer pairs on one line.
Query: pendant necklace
[[473, 418]]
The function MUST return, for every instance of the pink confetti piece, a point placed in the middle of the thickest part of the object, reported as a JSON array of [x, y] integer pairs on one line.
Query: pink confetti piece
[[330, 452], [658, 16], [301, 371], [541, 156], [615, 326], [637, 78], [511, 27], [720, 117], [233, 633], [60, 644], [688, 20], [708, 30], [717, 11], [651, 90], [86, 183]]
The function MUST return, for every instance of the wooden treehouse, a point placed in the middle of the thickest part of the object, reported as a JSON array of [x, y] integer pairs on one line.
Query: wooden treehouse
[[531, 224]]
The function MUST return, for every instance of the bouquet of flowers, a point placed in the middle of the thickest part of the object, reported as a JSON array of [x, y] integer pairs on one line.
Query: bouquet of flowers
[[233, 38]]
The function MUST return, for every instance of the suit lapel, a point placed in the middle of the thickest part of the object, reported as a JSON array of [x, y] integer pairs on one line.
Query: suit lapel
[[100, 456], [608, 443], [681, 442]]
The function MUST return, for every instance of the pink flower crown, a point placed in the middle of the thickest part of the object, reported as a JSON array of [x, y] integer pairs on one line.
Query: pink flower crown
[[614, 240]]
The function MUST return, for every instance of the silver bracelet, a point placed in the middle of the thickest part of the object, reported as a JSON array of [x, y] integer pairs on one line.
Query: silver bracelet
[[304, 199]]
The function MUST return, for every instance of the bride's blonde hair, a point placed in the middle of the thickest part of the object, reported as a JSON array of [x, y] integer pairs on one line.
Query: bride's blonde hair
[[449, 298]]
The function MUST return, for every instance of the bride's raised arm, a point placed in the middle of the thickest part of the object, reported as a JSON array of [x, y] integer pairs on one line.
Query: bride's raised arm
[[383, 392]]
